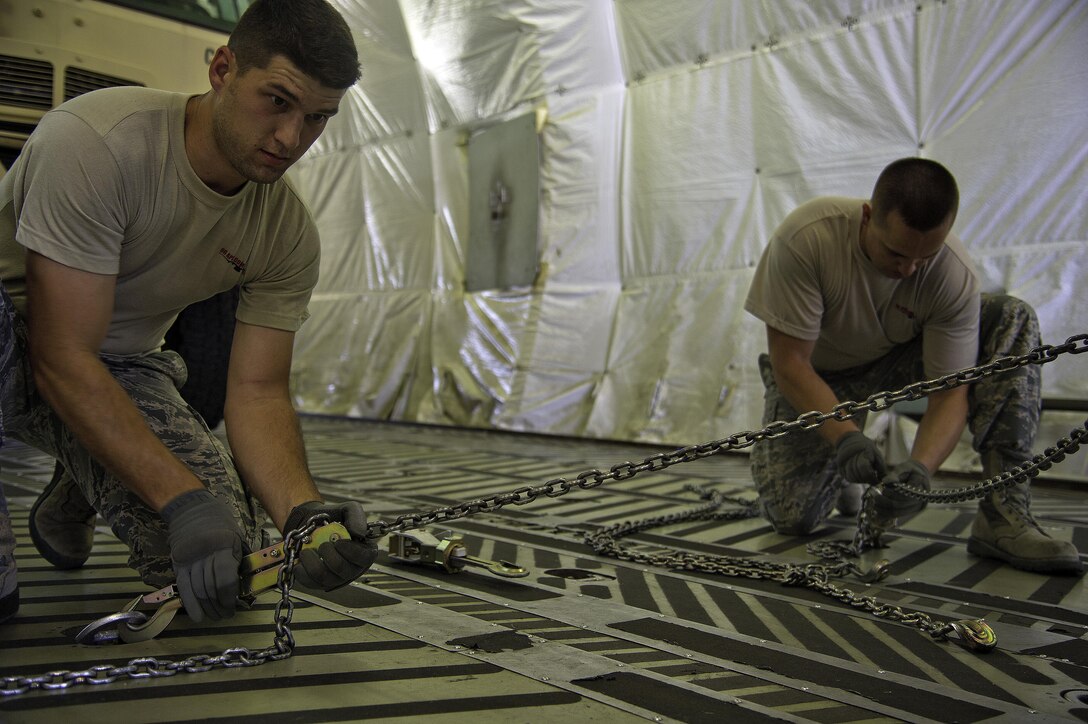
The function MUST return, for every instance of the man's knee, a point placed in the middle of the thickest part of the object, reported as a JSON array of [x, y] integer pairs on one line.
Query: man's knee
[[1007, 325], [792, 505], [1007, 305], [793, 522], [794, 481]]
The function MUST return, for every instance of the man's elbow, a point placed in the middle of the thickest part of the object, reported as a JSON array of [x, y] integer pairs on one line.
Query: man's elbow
[[244, 397], [789, 369], [950, 405], [57, 372], [46, 368]]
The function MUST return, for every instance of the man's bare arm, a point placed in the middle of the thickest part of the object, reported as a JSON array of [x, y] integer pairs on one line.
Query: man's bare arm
[[941, 427], [68, 315], [262, 425], [791, 360]]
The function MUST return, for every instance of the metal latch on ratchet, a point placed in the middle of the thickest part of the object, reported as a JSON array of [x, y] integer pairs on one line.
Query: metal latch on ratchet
[[258, 572], [447, 551]]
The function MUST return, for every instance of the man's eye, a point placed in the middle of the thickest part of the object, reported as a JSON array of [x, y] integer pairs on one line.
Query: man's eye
[[278, 102]]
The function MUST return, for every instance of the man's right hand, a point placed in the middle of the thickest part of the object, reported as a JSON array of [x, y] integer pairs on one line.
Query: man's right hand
[[859, 459], [333, 564], [206, 548]]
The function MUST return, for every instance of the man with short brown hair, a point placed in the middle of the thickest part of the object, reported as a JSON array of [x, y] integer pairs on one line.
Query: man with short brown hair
[[862, 296], [125, 206]]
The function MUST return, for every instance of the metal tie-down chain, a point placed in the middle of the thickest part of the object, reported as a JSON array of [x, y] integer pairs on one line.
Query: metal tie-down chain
[[870, 530], [815, 576], [843, 411], [147, 667]]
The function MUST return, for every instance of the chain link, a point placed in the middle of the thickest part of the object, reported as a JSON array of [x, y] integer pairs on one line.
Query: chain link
[[558, 487], [813, 575], [148, 667], [816, 576], [871, 527]]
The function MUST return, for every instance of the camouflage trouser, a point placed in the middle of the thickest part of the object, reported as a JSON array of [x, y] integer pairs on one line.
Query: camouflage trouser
[[152, 381], [796, 475], [7, 549], [7, 371]]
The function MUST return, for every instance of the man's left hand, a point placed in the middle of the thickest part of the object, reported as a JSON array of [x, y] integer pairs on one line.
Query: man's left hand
[[333, 564]]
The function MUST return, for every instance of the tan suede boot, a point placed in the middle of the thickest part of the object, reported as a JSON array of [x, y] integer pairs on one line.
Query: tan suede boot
[[1004, 529], [62, 522]]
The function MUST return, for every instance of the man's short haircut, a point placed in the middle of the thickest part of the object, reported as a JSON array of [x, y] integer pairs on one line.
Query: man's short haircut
[[309, 33], [922, 191]]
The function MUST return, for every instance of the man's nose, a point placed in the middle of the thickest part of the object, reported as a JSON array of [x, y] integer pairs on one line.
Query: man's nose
[[289, 131]]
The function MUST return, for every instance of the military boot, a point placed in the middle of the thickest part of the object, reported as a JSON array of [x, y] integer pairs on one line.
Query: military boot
[[1005, 529], [62, 522]]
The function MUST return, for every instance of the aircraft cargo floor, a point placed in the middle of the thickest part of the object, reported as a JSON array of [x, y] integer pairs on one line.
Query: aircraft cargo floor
[[583, 637]]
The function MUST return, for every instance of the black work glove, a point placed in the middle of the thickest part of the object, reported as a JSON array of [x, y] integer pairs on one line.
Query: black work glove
[[859, 459], [206, 548], [891, 503], [336, 563]]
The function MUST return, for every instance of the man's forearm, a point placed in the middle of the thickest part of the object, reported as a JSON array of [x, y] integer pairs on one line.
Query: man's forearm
[[268, 450], [941, 427], [107, 423], [805, 390]]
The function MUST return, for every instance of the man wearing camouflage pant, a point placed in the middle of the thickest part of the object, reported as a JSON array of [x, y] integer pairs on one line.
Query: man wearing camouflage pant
[[860, 297], [125, 206], [152, 381]]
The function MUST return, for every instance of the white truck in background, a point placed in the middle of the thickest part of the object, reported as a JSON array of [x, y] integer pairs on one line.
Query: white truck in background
[[54, 50]]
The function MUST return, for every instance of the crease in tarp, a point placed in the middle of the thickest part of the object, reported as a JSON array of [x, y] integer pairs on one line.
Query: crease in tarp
[[678, 136]]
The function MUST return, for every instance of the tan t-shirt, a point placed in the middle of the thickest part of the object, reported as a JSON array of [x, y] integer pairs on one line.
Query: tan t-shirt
[[815, 283], [104, 186]]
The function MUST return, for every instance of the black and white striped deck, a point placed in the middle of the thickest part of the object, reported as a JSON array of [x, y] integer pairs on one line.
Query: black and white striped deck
[[582, 638]]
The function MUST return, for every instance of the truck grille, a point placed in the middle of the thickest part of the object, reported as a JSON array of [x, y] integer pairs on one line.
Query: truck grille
[[78, 81], [26, 83]]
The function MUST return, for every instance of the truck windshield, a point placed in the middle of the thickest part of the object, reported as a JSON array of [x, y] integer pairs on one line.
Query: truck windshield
[[212, 14]]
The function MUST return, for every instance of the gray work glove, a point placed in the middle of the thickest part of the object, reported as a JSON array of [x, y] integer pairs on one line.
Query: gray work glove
[[891, 503], [859, 459], [206, 548], [338, 563]]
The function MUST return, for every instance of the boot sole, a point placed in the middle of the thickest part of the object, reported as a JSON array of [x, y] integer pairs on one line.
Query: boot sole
[[1050, 565], [55, 558]]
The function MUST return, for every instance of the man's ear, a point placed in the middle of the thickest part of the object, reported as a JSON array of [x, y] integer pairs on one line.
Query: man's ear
[[221, 67]]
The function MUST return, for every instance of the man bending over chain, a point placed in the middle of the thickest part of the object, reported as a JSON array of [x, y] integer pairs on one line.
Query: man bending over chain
[[125, 206], [862, 296]]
